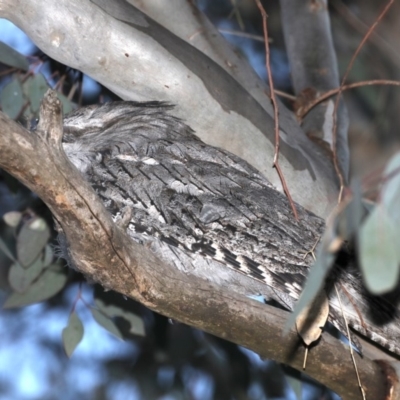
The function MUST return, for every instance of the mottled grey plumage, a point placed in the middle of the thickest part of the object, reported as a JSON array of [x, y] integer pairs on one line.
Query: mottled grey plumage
[[204, 209]]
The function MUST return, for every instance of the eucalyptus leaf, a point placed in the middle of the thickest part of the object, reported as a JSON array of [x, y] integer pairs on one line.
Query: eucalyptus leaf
[[38, 224], [316, 277], [368, 205], [312, 318], [111, 310], [12, 99], [390, 196], [6, 250], [391, 191], [12, 58], [47, 285], [12, 218], [31, 240], [296, 384], [72, 334], [378, 252], [21, 278], [48, 255], [34, 89], [67, 104], [349, 220], [106, 322]]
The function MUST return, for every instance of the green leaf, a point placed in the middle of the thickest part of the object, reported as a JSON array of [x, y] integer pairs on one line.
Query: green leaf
[[48, 256], [72, 334], [12, 58], [21, 278], [350, 218], [67, 105], [106, 322], [325, 259], [391, 191], [38, 224], [379, 256], [34, 89], [31, 240], [296, 383], [6, 251], [49, 283], [368, 205], [111, 310], [12, 218], [390, 195], [11, 98]]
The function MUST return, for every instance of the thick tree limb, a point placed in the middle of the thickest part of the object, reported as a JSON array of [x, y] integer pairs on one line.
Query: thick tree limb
[[106, 254], [136, 58], [185, 20], [314, 70]]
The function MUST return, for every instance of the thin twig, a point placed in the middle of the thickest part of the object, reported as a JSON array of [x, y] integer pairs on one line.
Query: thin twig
[[311, 252], [332, 92], [11, 70], [77, 298], [275, 106], [238, 16], [361, 27], [305, 358], [350, 345], [285, 95], [242, 34], [334, 114]]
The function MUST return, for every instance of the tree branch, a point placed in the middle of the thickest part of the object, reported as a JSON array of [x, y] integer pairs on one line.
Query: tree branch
[[102, 251], [138, 59], [314, 70]]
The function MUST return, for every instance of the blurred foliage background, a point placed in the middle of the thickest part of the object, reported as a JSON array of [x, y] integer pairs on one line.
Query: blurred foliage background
[[125, 351]]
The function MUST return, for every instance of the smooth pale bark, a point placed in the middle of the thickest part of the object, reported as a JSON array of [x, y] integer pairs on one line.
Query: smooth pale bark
[[312, 56], [136, 58]]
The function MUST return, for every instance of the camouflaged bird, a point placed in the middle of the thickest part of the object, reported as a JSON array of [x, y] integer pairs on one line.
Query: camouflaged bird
[[202, 208]]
